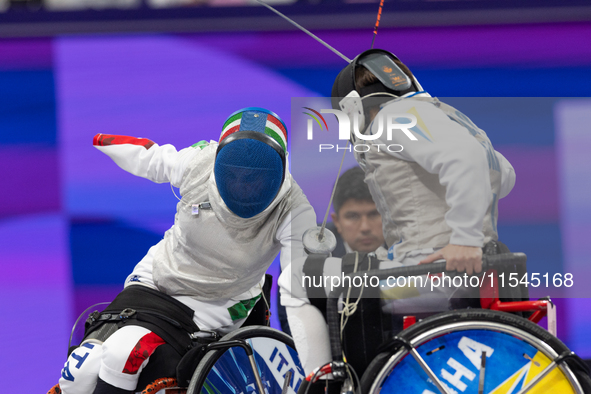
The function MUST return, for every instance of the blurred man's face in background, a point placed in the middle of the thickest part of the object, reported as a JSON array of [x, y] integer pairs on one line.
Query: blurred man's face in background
[[360, 225]]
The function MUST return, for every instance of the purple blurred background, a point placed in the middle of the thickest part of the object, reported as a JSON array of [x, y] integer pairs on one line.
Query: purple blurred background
[[73, 225]]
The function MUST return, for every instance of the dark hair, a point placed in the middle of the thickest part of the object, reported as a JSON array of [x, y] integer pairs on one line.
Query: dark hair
[[351, 186]]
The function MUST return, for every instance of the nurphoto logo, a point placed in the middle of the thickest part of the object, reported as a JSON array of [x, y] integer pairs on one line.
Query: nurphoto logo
[[390, 123]]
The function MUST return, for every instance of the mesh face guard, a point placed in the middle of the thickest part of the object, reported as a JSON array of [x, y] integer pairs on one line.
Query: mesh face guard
[[250, 161]]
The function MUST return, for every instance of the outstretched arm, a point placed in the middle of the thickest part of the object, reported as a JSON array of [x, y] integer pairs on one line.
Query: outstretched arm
[[145, 158]]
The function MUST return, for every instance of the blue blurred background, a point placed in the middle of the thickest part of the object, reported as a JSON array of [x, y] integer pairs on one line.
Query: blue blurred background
[[73, 225]]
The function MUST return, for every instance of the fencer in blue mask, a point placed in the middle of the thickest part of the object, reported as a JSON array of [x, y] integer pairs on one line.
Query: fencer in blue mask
[[239, 208]]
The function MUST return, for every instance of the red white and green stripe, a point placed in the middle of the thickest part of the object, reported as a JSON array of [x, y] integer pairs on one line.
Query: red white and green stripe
[[273, 127], [231, 126]]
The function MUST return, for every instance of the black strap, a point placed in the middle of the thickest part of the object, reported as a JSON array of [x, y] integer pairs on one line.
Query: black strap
[[314, 269], [143, 298], [366, 329], [142, 306]]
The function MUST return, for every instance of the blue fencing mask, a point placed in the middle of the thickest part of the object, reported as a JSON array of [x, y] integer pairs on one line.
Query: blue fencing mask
[[250, 160]]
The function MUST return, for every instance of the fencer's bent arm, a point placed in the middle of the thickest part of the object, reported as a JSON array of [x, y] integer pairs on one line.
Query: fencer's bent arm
[[145, 158], [461, 164], [464, 172]]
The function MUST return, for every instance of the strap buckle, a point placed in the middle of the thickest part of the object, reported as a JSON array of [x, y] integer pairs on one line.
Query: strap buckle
[[127, 313]]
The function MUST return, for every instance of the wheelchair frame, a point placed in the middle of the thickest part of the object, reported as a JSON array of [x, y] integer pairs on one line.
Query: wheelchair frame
[[490, 299]]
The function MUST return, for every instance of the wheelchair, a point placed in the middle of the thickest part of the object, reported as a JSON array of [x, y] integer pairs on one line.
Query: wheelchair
[[252, 359], [471, 351], [466, 351]]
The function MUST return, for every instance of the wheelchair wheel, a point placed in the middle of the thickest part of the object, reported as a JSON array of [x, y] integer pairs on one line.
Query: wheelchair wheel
[[229, 370], [450, 349]]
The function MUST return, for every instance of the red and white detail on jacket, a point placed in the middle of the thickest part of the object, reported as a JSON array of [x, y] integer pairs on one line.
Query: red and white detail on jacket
[[110, 139]]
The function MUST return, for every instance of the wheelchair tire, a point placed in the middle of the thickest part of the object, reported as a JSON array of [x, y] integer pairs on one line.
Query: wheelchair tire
[[274, 354], [519, 343]]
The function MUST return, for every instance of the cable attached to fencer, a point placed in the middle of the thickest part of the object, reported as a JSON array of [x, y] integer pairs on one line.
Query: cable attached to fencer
[[305, 31], [375, 33], [375, 29], [349, 308], [321, 234], [173, 192], [77, 320]]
